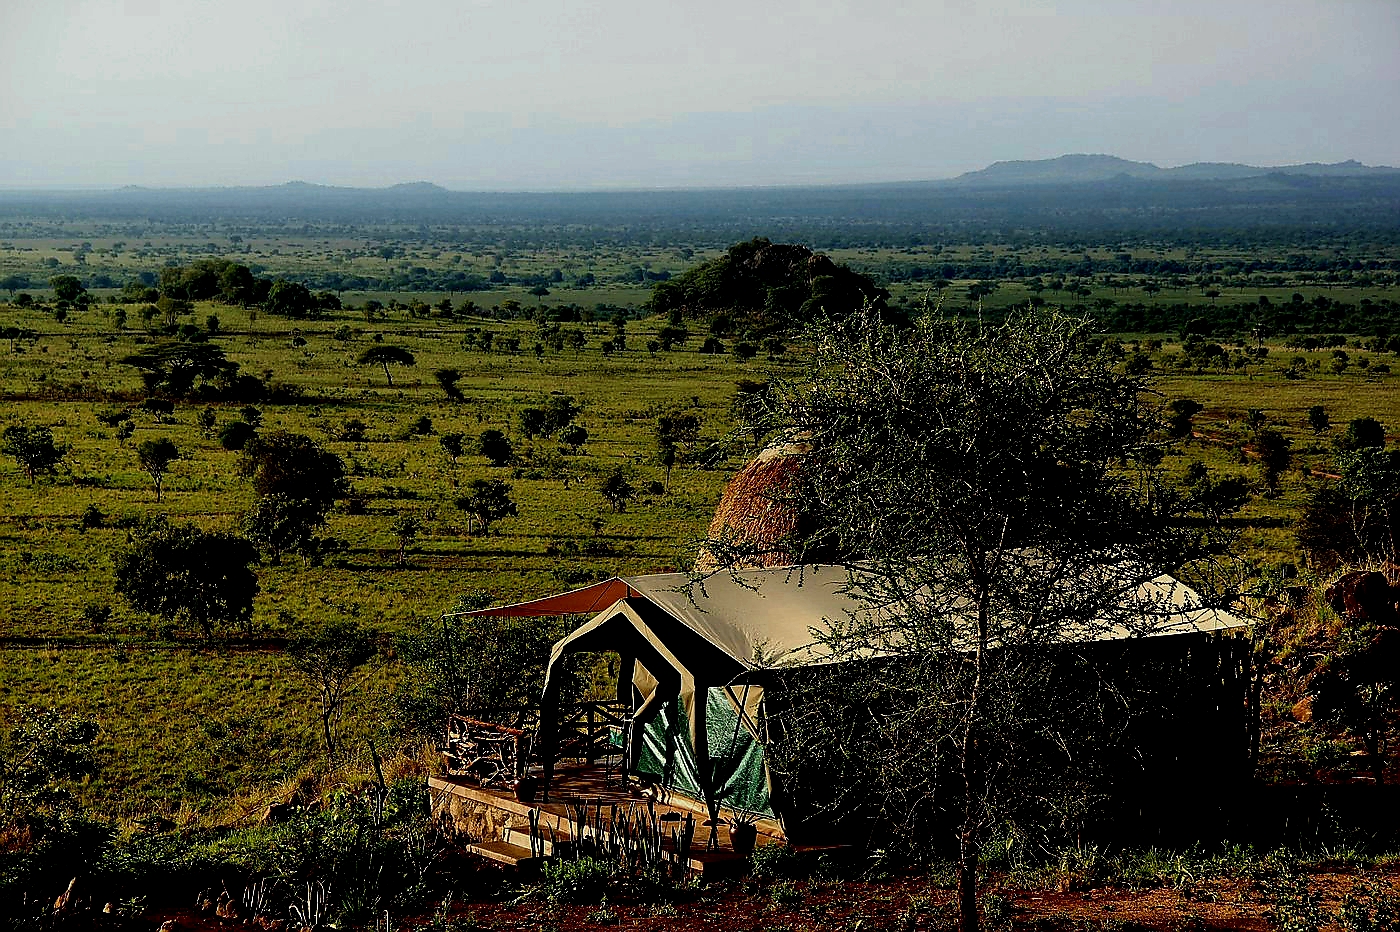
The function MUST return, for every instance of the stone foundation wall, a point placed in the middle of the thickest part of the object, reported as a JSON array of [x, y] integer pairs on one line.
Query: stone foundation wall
[[478, 821]]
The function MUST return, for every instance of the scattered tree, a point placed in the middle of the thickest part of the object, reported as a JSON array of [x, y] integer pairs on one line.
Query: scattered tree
[[496, 447], [278, 524], [675, 433], [155, 457], [555, 415], [574, 437], [184, 573], [236, 435], [41, 752], [486, 502], [447, 380], [1275, 455], [1318, 420], [383, 354], [1362, 433], [67, 288], [294, 466], [406, 529], [1006, 469], [331, 660], [290, 299], [617, 490], [173, 368], [33, 448], [1182, 411], [452, 445]]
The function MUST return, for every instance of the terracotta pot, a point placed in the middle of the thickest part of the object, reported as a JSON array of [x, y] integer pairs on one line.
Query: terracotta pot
[[742, 838], [525, 789]]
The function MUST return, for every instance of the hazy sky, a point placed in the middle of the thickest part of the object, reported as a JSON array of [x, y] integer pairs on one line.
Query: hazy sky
[[547, 94]]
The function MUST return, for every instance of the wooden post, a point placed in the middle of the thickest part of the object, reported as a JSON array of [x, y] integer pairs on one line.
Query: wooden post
[[590, 753]]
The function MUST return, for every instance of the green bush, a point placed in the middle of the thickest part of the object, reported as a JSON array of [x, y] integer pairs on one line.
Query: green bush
[[581, 881], [778, 861]]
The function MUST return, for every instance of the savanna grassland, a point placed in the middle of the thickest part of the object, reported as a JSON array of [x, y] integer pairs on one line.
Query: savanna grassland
[[157, 697], [188, 722]]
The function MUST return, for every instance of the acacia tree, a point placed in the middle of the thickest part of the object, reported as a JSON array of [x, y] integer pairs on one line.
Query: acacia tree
[[383, 354], [406, 530], [496, 447], [297, 482], [41, 752], [486, 502], [278, 524], [1275, 455], [172, 368], [617, 490], [991, 491], [330, 660], [447, 380], [674, 432]]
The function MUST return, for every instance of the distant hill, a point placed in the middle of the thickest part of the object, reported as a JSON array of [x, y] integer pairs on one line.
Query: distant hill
[[1065, 198], [1089, 169]]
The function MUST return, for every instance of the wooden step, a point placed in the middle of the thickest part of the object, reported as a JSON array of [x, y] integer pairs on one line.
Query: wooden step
[[503, 852], [551, 838]]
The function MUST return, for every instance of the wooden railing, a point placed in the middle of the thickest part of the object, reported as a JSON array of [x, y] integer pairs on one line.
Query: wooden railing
[[493, 744]]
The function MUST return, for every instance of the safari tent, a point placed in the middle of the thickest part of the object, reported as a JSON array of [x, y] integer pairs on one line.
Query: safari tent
[[701, 660]]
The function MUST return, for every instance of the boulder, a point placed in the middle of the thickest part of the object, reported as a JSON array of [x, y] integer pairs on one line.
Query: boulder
[[1365, 597]]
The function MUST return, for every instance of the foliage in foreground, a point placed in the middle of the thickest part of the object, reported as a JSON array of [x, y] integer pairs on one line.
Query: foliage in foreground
[[344, 859], [997, 487]]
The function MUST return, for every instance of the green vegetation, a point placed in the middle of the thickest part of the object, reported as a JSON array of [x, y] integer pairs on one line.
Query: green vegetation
[[340, 430]]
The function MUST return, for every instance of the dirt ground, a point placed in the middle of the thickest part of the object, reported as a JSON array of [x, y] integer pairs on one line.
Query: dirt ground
[[900, 905]]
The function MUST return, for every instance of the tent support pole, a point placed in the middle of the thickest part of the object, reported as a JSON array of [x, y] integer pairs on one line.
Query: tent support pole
[[626, 670], [549, 732]]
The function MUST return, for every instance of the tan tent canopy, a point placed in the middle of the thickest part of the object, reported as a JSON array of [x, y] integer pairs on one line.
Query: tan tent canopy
[[781, 611]]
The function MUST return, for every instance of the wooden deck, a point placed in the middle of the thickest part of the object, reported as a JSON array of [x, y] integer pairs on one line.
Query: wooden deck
[[505, 821]]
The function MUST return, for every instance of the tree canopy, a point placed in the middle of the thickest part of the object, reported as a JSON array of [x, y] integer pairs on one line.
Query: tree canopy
[[155, 457], [174, 367], [184, 573], [383, 354], [996, 484], [329, 659], [33, 448], [486, 502], [762, 287], [294, 466]]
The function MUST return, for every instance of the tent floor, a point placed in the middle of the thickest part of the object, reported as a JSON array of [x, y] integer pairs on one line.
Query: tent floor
[[501, 815]]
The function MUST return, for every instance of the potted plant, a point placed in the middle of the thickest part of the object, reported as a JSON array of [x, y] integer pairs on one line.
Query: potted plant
[[743, 832]]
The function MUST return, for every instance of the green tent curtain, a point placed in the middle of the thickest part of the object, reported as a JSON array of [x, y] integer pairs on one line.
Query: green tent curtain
[[735, 765]]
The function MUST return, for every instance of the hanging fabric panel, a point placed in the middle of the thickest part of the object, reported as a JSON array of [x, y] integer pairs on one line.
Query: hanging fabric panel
[[736, 757]]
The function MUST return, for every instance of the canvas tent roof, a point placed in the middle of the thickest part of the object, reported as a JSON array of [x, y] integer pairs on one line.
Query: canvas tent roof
[[779, 609]]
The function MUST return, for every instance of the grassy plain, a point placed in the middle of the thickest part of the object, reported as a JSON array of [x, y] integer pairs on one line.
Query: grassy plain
[[157, 698], [185, 723]]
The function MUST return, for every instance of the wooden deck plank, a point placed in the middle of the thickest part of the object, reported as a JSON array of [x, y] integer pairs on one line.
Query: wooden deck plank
[[594, 787]]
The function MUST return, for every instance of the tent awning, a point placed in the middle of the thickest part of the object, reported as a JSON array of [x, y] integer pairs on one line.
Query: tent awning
[[778, 613]]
